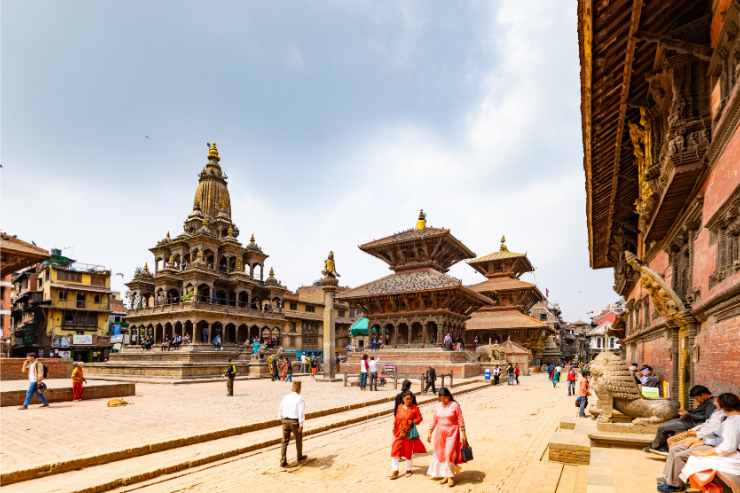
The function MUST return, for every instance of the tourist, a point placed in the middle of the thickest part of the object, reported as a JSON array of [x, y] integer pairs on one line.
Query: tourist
[[510, 374], [292, 415], [556, 376], [450, 436], [584, 390], [475, 342], [572, 376], [647, 378], [701, 437], [406, 440], [550, 371], [289, 371], [405, 387], [230, 376], [635, 373], [364, 366], [315, 366], [686, 420], [447, 342], [430, 380], [283, 369], [36, 385], [496, 375], [517, 372], [725, 457], [274, 368], [372, 368], [78, 378], [304, 367]]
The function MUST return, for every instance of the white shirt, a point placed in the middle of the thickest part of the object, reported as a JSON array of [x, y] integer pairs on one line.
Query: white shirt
[[709, 431], [363, 366], [292, 407], [373, 366], [303, 358], [32, 368]]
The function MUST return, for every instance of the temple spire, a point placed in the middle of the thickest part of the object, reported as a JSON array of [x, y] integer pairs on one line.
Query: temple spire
[[421, 223], [503, 247]]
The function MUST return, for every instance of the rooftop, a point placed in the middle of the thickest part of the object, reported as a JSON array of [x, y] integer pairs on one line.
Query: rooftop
[[494, 318]]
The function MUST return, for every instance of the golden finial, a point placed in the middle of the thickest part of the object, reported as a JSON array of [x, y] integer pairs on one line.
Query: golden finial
[[503, 248], [146, 266], [168, 235], [272, 273], [213, 152], [421, 223], [251, 239], [230, 231]]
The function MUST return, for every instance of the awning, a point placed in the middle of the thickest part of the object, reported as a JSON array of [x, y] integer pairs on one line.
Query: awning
[[359, 328]]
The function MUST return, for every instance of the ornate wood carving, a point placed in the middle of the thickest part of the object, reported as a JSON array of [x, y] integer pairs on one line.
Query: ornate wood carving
[[725, 228]]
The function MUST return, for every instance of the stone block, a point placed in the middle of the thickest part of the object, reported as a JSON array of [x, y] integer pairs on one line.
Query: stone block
[[569, 448], [60, 394], [568, 423], [649, 429]]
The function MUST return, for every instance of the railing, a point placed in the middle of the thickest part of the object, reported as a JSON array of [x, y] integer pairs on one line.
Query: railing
[[202, 305]]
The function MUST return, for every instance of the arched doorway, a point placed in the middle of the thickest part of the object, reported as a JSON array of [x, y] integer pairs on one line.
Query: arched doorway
[[230, 335], [432, 335], [403, 334], [201, 331]]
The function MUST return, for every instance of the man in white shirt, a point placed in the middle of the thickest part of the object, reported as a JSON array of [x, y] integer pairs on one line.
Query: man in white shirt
[[36, 384], [303, 363], [292, 415], [373, 368]]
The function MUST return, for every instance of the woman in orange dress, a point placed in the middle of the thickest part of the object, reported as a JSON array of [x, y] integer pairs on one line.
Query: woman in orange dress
[[449, 439], [406, 440]]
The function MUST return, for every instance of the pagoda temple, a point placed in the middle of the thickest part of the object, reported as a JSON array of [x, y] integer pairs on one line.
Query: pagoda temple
[[419, 303], [507, 316], [205, 283]]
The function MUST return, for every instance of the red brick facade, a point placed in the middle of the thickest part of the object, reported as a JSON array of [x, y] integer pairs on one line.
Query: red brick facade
[[10, 368]]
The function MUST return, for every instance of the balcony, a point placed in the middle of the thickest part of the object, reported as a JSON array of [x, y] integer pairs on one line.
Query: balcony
[[206, 306]]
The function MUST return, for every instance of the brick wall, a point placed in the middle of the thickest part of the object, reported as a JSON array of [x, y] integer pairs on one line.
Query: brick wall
[[10, 368], [61, 394], [655, 352], [718, 366]]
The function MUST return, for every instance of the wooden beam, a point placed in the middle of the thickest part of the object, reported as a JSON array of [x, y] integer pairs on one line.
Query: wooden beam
[[678, 45], [626, 77]]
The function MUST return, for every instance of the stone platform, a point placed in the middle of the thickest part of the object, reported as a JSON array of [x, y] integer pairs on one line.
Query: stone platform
[[413, 362], [12, 393], [188, 363]]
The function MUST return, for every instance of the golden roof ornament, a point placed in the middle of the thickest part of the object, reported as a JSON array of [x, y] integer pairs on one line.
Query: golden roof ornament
[[230, 231], [503, 247], [330, 268], [251, 239], [146, 266], [168, 235], [213, 152], [272, 273], [421, 223]]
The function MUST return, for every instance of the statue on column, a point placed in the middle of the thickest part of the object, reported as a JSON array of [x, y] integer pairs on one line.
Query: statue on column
[[330, 269]]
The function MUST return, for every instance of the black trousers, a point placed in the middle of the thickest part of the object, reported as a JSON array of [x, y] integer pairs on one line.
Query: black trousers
[[291, 427], [667, 430], [428, 384], [230, 386], [496, 379]]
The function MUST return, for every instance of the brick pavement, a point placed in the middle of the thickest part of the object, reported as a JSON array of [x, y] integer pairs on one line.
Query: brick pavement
[[508, 428], [158, 412]]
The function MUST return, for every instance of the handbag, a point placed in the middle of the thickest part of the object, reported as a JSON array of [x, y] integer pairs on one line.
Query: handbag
[[413, 432], [578, 401], [466, 452]]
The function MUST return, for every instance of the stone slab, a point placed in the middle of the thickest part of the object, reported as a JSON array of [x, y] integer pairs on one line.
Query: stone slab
[[628, 440], [568, 423], [569, 447], [648, 429]]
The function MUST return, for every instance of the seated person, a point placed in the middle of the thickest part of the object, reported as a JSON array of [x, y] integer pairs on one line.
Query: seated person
[[686, 420], [702, 437], [647, 379], [723, 459]]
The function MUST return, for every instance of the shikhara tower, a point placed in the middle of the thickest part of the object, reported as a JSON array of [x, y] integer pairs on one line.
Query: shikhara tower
[[205, 282]]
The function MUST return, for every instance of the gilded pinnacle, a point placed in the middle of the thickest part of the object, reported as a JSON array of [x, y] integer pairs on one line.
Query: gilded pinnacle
[[421, 223], [213, 152]]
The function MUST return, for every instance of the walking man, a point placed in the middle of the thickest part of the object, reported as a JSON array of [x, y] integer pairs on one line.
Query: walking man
[[517, 372], [496, 375], [292, 415], [373, 369], [510, 374], [430, 380], [36, 383], [304, 367], [230, 376]]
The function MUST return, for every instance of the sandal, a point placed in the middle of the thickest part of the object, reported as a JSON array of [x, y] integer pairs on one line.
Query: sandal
[[450, 482], [394, 475]]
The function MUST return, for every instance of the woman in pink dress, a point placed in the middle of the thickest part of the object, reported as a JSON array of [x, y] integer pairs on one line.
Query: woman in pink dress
[[448, 441]]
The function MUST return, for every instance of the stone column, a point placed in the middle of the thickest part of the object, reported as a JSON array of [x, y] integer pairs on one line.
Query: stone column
[[329, 285]]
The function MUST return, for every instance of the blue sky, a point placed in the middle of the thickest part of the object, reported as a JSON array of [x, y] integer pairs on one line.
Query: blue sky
[[336, 121]]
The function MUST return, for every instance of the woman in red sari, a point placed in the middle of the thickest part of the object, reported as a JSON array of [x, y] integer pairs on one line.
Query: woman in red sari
[[406, 440], [449, 439]]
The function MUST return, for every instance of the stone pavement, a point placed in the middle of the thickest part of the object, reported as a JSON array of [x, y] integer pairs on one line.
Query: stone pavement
[[71, 430], [508, 428]]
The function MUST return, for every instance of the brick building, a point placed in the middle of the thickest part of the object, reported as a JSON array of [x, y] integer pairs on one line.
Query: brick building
[[660, 107]]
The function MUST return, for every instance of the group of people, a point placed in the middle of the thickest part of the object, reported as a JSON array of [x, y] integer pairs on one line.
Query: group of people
[[370, 372], [512, 374], [175, 342], [281, 368], [38, 372], [451, 344], [701, 442], [311, 364], [447, 434]]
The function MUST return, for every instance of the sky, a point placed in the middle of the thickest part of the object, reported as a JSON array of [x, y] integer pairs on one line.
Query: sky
[[336, 122]]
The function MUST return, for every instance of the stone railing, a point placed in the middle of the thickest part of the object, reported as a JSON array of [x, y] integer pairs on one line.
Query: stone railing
[[200, 305]]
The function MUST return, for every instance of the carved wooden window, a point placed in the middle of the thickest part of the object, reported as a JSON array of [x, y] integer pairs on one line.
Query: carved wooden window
[[725, 228]]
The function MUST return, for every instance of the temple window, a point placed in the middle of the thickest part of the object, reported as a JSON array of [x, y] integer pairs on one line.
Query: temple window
[[725, 229], [310, 308], [80, 300], [293, 305]]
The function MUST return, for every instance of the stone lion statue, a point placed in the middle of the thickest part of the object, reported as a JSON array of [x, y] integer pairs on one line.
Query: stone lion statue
[[615, 389], [492, 351]]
